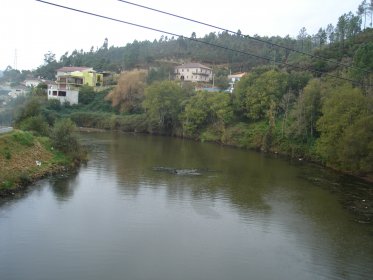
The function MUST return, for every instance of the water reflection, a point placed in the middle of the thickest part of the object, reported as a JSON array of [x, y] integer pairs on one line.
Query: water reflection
[[259, 188], [246, 216], [64, 185]]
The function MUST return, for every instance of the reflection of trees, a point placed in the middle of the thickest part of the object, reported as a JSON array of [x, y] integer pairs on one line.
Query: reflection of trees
[[63, 185], [237, 175], [251, 183]]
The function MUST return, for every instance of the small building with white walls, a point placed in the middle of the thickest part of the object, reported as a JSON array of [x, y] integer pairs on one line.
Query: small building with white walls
[[63, 95], [233, 79]]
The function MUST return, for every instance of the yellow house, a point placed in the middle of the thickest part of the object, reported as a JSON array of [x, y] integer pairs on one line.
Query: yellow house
[[70, 79], [79, 76]]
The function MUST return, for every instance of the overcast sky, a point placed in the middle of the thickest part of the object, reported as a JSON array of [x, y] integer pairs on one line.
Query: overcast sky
[[30, 29]]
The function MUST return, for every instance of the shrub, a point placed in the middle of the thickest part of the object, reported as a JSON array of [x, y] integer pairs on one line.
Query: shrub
[[36, 124], [63, 137]]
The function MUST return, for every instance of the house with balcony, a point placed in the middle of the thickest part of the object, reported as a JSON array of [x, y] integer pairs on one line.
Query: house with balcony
[[193, 72], [69, 80]]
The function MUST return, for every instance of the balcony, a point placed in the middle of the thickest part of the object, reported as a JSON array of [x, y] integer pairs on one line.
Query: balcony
[[70, 81], [201, 74]]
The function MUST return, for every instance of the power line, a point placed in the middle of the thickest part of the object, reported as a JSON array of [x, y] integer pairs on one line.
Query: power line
[[246, 36], [193, 39]]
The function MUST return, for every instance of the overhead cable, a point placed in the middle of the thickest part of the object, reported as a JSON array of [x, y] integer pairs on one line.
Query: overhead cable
[[193, 39], [246, 36]]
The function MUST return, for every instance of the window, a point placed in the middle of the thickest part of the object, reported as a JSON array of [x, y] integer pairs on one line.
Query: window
[[62, 93], [55, 93]]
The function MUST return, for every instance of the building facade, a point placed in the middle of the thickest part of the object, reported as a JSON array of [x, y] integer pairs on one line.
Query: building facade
[[193, 72], [69, 80]]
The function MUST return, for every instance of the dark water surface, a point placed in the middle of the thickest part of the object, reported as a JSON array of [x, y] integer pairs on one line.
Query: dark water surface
[[238, 215]]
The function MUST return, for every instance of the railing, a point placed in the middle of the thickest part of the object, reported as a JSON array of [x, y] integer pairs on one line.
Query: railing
[[201, 74]]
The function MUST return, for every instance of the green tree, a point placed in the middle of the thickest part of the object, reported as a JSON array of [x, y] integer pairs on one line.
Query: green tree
[[63, 137], [306, 112], [344, 112], [206, 108], [261, 91], [356, 146], [363, 62], [162, 105]]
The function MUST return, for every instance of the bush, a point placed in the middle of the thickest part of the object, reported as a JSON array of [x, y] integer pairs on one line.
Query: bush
[[63, 137], [36, 124]]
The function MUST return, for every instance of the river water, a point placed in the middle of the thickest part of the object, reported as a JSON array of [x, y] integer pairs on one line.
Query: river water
[[160, 208]]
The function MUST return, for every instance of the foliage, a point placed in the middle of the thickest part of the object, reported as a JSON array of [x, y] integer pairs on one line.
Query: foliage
[[32, 108], [221, 78], [14, 76], [86, 94], [345, 112], [306, 112], [35, 124], [206, 108], [162, 105], [63, 137], [23, 138], [129, 93], [257, 91], [363, 62], [163, 72]]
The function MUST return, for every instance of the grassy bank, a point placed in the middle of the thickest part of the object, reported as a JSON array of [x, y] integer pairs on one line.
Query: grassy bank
[[25, 158]]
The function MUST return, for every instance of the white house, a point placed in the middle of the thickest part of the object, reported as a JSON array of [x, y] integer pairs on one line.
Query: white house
[[32, 82], [63, 95], [194, 72], [67, 84], [233, 79]]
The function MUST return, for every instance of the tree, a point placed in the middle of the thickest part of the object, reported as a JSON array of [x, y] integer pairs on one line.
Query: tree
[[105, 44], [362, 10], [162, 105], [356, 145], [345, 111], [322, 37], [341, 28], [206, 108], [306, 112], [330, 33], [49, 57], [264, 89], [128, 95], [363, 62], [63, 137], [302, 36]]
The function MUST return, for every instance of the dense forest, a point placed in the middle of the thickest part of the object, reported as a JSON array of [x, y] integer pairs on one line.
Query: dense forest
[[310, 98]]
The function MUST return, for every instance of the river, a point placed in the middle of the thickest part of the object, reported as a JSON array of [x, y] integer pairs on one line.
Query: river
[[147, 207]]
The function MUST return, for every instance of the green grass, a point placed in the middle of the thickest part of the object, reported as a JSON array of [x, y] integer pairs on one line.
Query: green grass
[[23, 138]]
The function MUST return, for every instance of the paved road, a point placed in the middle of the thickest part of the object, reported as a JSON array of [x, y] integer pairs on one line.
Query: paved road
[[5, 129]]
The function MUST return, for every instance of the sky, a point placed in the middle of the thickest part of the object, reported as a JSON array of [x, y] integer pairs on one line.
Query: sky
[[29, 29]]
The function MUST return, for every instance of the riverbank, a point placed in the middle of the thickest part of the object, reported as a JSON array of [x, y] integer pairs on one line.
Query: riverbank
[[25, 158]]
